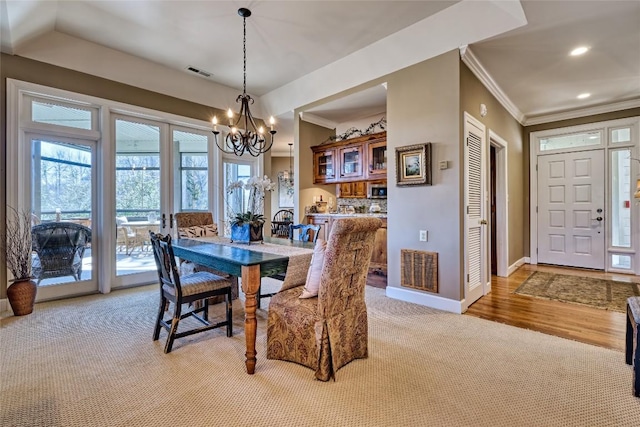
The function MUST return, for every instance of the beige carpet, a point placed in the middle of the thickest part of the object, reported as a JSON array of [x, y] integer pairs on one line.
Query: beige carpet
[[594, 292], [90, 361]]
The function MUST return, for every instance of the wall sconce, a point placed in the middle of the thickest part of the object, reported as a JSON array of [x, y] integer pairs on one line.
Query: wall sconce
[[636, 195]]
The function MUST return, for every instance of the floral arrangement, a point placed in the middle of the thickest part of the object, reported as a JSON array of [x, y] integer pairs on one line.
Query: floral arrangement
[[254, 213]]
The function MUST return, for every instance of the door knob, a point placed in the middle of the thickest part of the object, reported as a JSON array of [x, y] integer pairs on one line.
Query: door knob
[[597, 219], [483, 222]]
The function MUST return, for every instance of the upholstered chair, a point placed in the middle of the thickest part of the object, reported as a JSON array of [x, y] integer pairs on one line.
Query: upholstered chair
[[303, 236], [200, 224], [329, 330]]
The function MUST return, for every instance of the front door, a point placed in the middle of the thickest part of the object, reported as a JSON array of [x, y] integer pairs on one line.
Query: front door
[[571, 209]]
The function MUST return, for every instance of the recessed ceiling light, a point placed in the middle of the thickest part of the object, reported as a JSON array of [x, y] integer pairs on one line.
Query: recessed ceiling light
[[579, 51], [584, 95]]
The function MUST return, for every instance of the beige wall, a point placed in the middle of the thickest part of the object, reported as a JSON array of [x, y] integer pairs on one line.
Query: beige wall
[[472, 94], [309, 135], [423, 106]]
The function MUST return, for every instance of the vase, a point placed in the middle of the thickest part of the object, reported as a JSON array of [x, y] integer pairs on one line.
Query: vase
[[246, 233], [22, 296]]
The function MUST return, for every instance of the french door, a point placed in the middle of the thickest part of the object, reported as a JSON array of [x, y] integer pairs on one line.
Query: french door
[[159, 170], [62, 183]]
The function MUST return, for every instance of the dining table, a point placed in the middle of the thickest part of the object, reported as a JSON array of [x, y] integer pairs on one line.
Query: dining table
[[250, 262]]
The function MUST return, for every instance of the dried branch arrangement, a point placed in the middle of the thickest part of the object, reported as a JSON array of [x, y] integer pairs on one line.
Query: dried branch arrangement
[[15, 244]]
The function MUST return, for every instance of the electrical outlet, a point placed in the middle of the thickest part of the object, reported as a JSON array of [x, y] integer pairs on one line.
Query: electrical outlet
[[423, 235]]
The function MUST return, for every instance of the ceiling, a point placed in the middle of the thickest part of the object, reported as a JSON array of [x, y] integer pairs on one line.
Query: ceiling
[[288, 40]]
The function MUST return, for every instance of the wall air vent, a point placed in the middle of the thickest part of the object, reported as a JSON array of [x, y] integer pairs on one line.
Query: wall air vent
[[203, 73]]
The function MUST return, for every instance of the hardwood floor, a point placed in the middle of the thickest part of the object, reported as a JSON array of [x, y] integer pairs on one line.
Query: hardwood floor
[[576, 322]]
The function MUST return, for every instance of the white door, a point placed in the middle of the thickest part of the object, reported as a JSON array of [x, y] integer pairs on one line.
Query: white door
[[63, 189], [571, 209], [476, 257]]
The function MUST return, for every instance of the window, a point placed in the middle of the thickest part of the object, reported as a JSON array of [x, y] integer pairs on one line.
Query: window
[[575, 140], [61, 115]]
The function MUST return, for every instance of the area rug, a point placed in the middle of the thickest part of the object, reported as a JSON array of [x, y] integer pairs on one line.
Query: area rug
[[600, 293]]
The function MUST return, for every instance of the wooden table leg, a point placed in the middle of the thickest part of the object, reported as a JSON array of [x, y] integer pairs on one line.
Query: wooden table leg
[[250, 286]]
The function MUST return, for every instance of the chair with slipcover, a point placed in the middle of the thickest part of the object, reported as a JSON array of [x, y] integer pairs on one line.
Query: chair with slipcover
[[59, 248], [200, 224], [327, 331], [303, 236], [187, 289]]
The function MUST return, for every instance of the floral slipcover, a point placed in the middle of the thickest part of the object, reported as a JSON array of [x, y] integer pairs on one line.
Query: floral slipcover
[[327, 332]]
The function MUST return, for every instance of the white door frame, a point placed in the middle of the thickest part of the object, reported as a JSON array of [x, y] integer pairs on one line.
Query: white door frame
[[472, 295], [502, 205]]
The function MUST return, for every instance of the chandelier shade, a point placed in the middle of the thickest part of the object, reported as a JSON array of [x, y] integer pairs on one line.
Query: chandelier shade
[[244, 135]]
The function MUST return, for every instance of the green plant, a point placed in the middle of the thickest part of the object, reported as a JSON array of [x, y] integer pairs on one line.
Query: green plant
[[15, 244], [248, 218]]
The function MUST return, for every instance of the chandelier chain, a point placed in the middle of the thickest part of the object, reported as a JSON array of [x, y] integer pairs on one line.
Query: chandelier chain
[[244, 52]]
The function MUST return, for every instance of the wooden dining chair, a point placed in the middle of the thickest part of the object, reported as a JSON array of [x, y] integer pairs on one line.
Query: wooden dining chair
[[187, 289], [200, 224]]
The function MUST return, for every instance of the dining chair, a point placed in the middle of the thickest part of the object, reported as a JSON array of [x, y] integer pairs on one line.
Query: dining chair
[[280, 223], [303, 236], [304, 229], [200, 224], [327, 331], [187, 289]]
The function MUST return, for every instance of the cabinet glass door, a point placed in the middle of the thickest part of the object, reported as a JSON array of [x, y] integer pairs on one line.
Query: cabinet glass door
[[324, 163], [378, 159], [351, 162]]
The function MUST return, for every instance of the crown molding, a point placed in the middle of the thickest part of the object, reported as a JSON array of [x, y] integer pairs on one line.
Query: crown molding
[[317, 120], [582, 112], [479, 71]]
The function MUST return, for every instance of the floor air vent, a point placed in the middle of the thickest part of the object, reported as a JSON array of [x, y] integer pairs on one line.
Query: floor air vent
[[419, 270]]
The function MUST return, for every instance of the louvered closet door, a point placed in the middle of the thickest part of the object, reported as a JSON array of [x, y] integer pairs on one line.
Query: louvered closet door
[[475, 194]]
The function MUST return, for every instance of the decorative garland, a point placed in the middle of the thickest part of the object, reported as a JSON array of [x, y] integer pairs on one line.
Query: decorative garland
[[353, 132]]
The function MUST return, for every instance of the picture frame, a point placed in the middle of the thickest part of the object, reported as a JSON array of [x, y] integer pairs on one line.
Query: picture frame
[[413, 165], [285, 190]]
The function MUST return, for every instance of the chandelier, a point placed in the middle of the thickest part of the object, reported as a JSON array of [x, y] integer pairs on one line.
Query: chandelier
[[288, 175], [251, 138]]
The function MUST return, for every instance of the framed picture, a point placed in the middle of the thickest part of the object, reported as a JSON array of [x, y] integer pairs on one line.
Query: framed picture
[[413, 164], [285, 191]]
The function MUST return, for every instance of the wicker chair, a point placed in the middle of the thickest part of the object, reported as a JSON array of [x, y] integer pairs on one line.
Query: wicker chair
[[59, 248], [200, 224], [184, 290], [326, 332]]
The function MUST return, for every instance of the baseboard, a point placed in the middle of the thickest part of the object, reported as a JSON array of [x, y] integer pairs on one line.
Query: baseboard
[[5, 309], [513, 267], [527, 260], [432, 301]]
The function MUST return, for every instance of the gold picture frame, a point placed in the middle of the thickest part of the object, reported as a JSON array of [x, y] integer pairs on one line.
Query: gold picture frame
[[413, 164]]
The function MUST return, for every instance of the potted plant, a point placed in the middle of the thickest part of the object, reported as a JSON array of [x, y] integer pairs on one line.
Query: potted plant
[[247, 225], [15, 250]]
